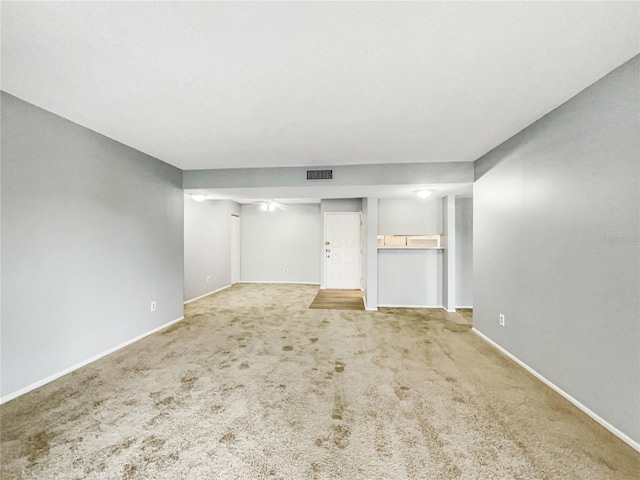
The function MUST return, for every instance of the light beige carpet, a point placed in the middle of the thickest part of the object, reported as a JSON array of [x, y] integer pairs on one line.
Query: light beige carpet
[[254, 385]]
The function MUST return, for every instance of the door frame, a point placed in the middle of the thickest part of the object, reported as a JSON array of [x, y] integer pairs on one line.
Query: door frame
[[324, 246]]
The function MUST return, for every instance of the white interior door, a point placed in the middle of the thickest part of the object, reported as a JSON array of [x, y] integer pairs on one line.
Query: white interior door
[[235, 249], [342, 255]]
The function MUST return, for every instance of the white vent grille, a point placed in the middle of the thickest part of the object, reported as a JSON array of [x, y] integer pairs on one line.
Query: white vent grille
[[319, 174]]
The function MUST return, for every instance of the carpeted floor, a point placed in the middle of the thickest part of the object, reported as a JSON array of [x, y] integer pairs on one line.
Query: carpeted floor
[[254, 385]]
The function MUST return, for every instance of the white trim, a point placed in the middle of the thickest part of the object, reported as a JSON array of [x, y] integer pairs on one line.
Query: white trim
[[625, 438], [269, 281], [421, 306], [465, 306], [411, 306], [364, 299], [55, 376], [206, 294]]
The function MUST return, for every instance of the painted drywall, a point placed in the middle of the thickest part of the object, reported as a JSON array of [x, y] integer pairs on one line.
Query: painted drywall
[[448, 241], [556, 228], [344, 175], [341, 205], [370, 252], [464, 252], [207, 245], [283, 239], [409, 216], [91, 235], [410, 278]]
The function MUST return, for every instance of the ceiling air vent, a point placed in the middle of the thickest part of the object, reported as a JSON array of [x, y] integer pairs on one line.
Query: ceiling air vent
[[319, 174]]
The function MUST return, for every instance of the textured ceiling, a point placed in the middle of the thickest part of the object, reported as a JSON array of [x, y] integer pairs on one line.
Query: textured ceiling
[[213, 85]]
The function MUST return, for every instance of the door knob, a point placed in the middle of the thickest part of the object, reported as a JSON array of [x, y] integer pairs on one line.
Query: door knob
[[328, 250]]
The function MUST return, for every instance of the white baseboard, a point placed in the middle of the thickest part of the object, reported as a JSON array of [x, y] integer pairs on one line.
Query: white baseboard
[[55, 376], [463, 306], [418, 306], [206, 294], [276, 282], [411, 306], [625, 438], [374, 309]]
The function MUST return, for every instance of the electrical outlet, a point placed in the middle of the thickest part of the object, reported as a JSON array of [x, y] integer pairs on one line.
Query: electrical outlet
[[208, 279], [501, 320], [286, 270], [153, 306]]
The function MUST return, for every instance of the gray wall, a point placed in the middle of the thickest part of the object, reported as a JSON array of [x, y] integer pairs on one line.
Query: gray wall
[[207, 245], [464, 252], [341, 205], [449, 257], [410, 278], [370, 252], [556, 228], [91, 234], [345, 175], [273, 241], [408, 216]]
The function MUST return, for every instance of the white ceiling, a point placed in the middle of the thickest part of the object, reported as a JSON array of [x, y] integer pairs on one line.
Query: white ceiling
[[214, 85]]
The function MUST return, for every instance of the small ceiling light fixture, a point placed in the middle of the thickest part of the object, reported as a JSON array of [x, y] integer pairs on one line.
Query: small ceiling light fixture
[[270, 206], [198, 197], [424, 193]]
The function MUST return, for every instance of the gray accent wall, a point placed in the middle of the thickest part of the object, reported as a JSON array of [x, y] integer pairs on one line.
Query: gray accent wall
[[464, 252], [288, 239], [91, 235], [556, 233], [207, 245]]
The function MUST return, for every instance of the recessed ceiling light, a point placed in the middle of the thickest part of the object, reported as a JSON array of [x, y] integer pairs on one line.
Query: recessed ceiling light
[[424, 193]]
